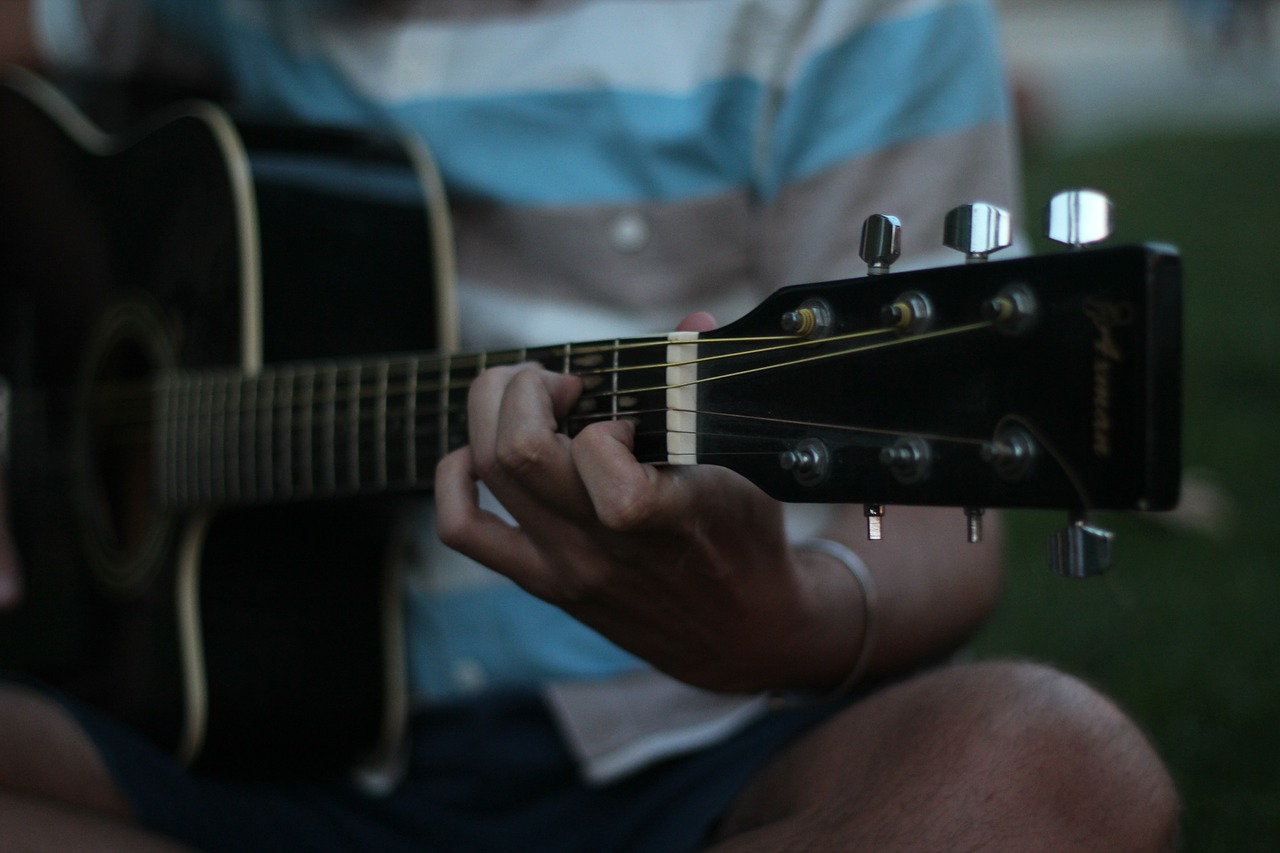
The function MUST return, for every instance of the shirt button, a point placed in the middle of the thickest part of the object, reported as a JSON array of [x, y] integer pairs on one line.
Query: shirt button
[[629, 232], [469, 676]]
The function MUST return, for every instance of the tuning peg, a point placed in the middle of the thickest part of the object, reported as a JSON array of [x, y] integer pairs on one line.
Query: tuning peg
[[977, 229], [1078, 218], [1080, 550], [881, 242]]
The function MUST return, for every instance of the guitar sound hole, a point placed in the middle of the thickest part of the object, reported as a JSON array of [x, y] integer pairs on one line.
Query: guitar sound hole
[[121, 447], [124, 529]]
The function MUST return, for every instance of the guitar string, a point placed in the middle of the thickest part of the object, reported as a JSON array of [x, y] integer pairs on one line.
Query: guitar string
[[393, 460], [219, 381], [143, 392]]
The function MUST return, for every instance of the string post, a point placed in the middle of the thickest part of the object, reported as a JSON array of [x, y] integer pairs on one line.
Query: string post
[[909, 458], [813, 319], [973, 523], [1013, 310], [809, 461], [874, 513], [1011, 452], [910, 313]]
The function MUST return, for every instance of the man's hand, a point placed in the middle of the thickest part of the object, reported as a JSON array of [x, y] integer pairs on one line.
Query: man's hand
[[686, 567]]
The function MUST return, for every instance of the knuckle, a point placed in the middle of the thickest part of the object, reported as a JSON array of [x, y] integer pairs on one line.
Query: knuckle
[[627, 509], [525, 452]]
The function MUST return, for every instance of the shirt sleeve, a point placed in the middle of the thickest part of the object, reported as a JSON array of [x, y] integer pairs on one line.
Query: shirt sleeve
[[115, 38], [61, 36]]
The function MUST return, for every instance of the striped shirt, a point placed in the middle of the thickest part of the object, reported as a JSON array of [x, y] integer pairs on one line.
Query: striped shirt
[[612, 165]]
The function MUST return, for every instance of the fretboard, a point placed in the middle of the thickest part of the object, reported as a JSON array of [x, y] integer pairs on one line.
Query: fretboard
[[320, 430]]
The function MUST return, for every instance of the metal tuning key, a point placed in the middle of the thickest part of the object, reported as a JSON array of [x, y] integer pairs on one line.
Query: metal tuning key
[[977, 229], [1078, 218], [881, 242], [1081, 549]]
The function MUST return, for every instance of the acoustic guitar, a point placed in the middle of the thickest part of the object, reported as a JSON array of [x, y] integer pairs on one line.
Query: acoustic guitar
[[229, 364]]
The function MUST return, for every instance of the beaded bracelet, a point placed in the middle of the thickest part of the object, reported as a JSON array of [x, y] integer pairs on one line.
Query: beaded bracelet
[[870, 602]]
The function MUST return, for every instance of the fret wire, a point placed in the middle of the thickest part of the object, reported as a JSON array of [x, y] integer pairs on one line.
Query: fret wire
[[445, 381], [188, 444], [192, 441], [306, 423], [207, 392], [410, 422], [380, 424], [266, 439], [285, 457], [175, 441], [163, 462], [249, 439], [216, 443], [617, 351], [329, 458], [184, 438], [353, 437]]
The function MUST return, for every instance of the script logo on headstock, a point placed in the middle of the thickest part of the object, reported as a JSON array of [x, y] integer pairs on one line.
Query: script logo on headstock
[[1106, 316]]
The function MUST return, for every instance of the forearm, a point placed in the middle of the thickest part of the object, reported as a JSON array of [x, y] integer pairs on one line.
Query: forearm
[[933, 591]]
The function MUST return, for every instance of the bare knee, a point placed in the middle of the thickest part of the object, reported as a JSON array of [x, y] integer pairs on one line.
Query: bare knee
[[1064, 752], [1009, 756], [44, 753]]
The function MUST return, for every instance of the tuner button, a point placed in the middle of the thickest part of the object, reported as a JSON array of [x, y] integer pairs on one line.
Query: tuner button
[[881, 242], [1078, 218], [1080, 550], [977, 229]]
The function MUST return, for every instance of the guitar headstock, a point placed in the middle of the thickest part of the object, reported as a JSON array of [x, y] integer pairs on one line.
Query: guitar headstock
[[1048, 381]]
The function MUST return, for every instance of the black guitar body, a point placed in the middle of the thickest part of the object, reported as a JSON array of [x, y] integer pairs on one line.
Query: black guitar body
[[200, 242]]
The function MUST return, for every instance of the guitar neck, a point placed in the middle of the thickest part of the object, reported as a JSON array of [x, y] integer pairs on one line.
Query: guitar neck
[[368, 426], [1035, 382]]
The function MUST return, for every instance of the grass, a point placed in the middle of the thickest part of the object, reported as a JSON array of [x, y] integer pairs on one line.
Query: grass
[[1184, 632]]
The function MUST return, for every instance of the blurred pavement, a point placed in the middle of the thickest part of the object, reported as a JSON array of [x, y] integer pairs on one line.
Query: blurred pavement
[[1088, 70]]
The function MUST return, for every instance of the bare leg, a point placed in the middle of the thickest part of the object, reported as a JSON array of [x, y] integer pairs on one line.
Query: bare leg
[[55, 792], [998, 756]]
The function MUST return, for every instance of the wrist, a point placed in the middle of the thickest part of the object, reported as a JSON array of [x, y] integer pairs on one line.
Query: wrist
[[862, 624]]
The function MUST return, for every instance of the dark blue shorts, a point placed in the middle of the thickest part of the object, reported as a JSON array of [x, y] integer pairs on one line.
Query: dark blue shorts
[[486, 775]]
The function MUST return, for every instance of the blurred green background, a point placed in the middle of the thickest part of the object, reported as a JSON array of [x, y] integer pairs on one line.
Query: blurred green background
[[1184, 632]]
